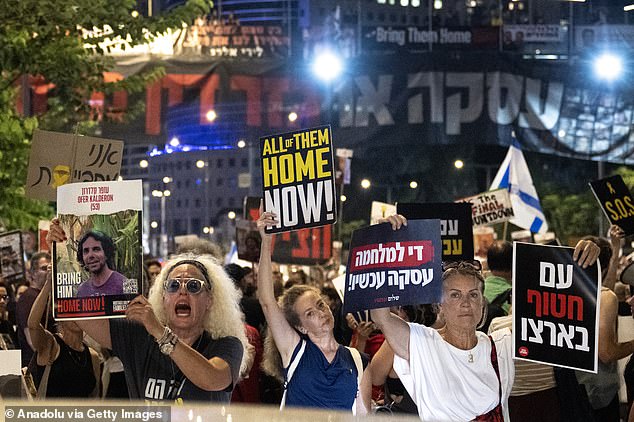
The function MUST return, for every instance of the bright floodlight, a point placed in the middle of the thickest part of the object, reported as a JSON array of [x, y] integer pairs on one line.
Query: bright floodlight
[[231, 215], [458, 164], [211, 115], [242, 143], [175, 142], [365, 183], [327, 66], [143, 164], [154, 224], [608, 66], [200, 164], [413, 184]]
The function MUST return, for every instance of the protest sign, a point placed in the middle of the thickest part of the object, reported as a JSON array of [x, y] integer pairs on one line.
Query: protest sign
[[555, 307], [616, 201], [490, 207], [298, 178], [99, 269], [248, 240], [394, 267], [311, 246], [344, 163], [60, 158], [456, 229], [380, 210], [12, 257]]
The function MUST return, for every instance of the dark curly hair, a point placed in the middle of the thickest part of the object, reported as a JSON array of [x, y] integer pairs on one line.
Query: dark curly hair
[[106, 243]]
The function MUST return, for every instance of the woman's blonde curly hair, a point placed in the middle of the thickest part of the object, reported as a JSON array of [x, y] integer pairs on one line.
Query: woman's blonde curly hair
[[224, 317]]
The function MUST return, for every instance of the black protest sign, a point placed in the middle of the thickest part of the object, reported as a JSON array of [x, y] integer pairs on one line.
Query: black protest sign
[[555, 316], [60, 158], [616, 201], [311, 246], [12, 267], [456, 229], [394, 267], [298, 178]]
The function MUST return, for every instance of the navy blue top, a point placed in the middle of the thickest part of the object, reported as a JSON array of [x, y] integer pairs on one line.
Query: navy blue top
[[317, 383]]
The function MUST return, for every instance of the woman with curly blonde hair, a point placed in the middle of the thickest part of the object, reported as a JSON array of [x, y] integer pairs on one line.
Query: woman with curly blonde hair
[[186, 342]]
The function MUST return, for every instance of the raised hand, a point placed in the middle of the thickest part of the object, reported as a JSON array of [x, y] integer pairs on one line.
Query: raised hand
[[396, 220]]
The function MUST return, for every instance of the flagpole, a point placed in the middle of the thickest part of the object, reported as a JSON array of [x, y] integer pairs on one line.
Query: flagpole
[[506, 229]]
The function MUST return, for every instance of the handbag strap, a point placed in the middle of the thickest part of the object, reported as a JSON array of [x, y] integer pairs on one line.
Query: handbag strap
[[291, 370], [356, 356]]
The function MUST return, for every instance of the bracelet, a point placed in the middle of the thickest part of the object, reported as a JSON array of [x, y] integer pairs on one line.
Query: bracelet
[[166, 333], [168, 341]]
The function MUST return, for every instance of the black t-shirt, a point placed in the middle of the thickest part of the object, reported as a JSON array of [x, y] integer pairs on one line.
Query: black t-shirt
[[153, 376]]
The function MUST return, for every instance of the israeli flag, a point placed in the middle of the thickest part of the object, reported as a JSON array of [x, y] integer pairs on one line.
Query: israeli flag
[[514, 176]]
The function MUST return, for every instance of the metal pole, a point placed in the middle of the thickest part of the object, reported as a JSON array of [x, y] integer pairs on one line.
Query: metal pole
[[163, 229], [340, 216], [601, 174]]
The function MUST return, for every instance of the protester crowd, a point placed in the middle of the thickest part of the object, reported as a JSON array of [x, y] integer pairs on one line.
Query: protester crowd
[[249, 334]]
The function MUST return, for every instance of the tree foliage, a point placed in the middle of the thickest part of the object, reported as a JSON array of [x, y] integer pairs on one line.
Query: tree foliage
[[43, 38]]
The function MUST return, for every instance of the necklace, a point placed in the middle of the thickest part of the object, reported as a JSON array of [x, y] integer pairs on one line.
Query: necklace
[[79, 357]]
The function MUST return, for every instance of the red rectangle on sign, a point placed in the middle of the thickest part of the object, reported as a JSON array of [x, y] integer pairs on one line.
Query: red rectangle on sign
[[392, 255]]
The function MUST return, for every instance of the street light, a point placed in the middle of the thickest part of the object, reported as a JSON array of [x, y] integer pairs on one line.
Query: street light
[[162, 194]]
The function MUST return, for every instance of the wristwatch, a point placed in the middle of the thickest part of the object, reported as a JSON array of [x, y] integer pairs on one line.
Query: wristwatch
[[167, 342], [168, 347]]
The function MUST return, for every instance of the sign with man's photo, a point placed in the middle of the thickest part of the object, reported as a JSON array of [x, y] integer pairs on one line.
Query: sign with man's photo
[[389, 267], [98, 270], [555, 307]]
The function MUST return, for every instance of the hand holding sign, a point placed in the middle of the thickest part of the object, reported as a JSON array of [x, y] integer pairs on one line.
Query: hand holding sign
[[586, 253], [396, 220]]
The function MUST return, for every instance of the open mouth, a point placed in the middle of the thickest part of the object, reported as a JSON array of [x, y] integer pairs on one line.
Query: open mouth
[[182, 309]]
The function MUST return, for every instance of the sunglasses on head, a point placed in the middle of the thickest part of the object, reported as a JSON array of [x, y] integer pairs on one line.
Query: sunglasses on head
[[192, 285], [456, 265]]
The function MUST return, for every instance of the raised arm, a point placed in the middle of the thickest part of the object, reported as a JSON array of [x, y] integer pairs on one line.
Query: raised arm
[[285, 336], [610, 349], [98, 329], [396, 331], [43, 341], [615, 235], [212, 374]]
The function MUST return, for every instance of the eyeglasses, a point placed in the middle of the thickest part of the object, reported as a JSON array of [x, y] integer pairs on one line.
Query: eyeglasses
[[456, 265], [4, 297], [193, 285]]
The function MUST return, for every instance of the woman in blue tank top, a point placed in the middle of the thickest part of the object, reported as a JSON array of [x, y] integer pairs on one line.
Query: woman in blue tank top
[[316, 370]]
